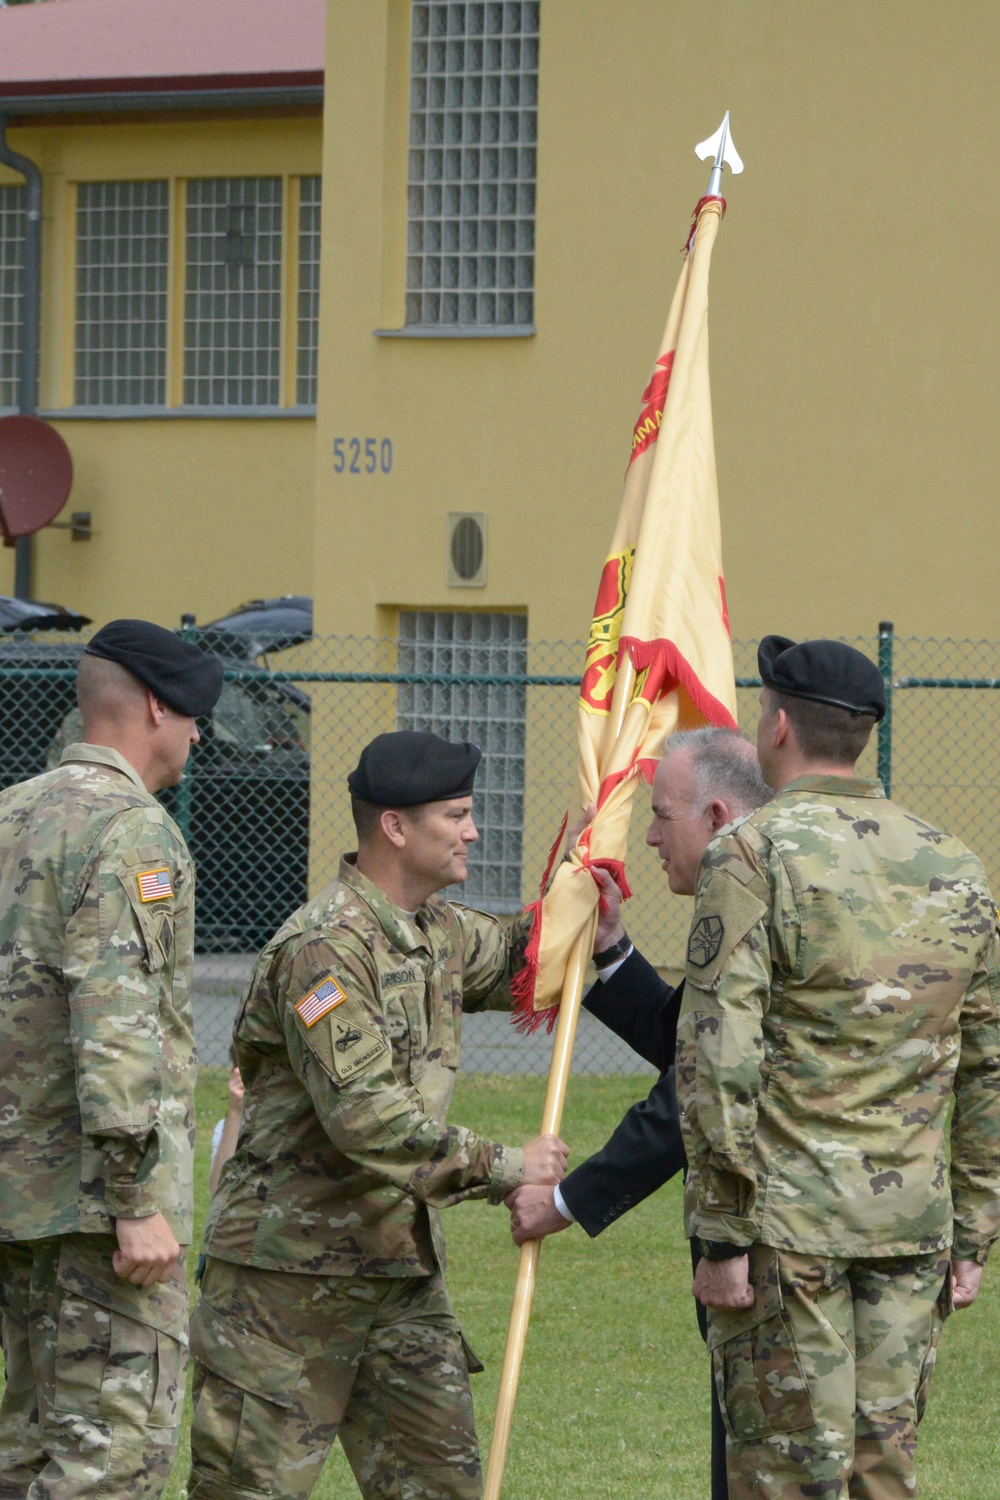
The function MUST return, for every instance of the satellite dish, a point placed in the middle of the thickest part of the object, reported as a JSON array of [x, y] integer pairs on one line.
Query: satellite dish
[[36, 475]]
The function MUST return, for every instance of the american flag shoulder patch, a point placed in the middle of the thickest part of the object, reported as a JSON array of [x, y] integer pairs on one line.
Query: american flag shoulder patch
[[155, 885], [322, 998]]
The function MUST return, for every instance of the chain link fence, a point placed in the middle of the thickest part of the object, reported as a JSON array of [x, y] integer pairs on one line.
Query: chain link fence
[[265, 808]]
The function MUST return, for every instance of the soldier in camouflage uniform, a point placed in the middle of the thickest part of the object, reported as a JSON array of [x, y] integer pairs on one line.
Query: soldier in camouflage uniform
[[97, 1082], [324, 1308], [842, 989]]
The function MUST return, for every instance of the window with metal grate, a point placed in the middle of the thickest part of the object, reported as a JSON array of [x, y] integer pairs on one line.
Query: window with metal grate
[[122, 237], [308, 309], [471, 194], [232, 301], [453, 643], [11, 276]]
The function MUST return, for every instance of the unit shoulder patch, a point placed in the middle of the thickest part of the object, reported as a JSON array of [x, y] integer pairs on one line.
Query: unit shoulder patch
[[705, 940], [354, 1047], [320, 1000], [154, 885], [727, 911]]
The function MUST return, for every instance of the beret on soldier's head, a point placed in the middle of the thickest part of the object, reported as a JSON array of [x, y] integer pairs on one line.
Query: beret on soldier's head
[[407, 768], [182, 676], [824, 672]]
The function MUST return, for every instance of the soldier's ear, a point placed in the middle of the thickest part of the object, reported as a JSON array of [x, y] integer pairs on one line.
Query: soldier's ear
[[721, 814], [393, 827], [782, 729], [156, 708]]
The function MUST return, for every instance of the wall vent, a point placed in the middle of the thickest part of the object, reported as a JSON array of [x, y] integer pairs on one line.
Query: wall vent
[[467, 549]]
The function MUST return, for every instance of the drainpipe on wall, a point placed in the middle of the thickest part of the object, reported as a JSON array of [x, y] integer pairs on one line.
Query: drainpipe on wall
[[31, 323]]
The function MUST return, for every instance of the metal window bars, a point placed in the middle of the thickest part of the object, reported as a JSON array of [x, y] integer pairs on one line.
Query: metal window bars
[[474, 648], [122, 240], [308, 308], [12, 210], [232, 299], [472, 168]]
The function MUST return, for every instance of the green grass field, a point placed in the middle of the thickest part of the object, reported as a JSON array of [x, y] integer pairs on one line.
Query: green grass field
[[613, 1400]]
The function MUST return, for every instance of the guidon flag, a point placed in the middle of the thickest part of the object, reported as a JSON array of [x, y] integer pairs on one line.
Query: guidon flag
[[660, 610]]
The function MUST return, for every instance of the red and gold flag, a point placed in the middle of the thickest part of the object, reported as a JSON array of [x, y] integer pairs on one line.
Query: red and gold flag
[[659, 656]]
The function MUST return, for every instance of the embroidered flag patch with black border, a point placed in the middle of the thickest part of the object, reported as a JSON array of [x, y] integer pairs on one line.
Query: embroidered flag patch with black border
[[321, 999]]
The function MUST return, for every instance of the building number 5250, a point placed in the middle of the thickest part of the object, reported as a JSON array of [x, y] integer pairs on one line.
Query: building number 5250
[[362, 455]]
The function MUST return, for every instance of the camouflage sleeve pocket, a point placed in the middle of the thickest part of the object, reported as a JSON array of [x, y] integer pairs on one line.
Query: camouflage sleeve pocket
[[727, 910], [758, 1375]]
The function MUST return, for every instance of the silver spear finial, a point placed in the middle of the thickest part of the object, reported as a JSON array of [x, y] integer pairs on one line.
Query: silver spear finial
[[726, 155]]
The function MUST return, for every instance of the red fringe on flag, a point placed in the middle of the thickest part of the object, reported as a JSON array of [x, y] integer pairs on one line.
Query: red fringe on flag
[[524, 1017], [667, 669], [616, 869], [552, 854]]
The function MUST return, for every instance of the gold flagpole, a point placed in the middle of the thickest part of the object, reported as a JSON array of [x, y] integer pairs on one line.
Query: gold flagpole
[[524, 1287], [555, 1099]]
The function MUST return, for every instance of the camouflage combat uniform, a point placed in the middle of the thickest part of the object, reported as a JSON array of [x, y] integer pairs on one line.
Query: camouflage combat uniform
[[97, 1073], [324, 1307], [842, 987]]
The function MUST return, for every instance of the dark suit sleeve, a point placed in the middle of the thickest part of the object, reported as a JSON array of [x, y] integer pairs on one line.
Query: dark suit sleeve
[[641, 1008], [644, 1153]]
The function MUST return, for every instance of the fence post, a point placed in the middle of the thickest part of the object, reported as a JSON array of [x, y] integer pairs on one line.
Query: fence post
[[182, 803], [885, 641]]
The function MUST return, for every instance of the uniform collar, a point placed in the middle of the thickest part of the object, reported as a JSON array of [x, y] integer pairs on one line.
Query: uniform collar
[[403, 931], [835, 786], [102, 755]]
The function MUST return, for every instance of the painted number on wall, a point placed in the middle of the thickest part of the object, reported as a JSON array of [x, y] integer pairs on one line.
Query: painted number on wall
[[354, 455]]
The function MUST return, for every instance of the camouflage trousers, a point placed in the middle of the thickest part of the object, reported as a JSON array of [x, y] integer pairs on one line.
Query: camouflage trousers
[[823, 1381], [284, 1363], [95, 1373]]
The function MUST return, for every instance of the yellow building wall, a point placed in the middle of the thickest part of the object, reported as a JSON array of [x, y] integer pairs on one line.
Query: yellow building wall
[[855, 318], [190, 514]]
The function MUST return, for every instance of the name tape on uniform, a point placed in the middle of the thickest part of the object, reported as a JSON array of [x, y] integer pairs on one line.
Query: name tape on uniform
[[155, 885], [323, 998]]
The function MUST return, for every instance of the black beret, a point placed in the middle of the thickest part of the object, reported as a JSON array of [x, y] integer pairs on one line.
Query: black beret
[[409, 767], [187, 679], [823, 671]]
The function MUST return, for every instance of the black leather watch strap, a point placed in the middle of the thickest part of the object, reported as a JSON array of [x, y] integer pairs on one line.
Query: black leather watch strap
[[611, 955], [721, 1249]]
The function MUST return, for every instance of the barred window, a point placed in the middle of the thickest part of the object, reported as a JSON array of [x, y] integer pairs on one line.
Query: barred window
[[122, 236], [471, 195], [12, 212], [308, 309], [492, 715], [232, 303]]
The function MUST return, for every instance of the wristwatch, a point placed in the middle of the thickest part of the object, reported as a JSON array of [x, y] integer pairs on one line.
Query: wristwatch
[[611, 955], [721, 1249]]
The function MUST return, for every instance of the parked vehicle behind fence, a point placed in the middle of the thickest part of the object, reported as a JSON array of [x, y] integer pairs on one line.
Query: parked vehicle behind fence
[[244, 801]]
